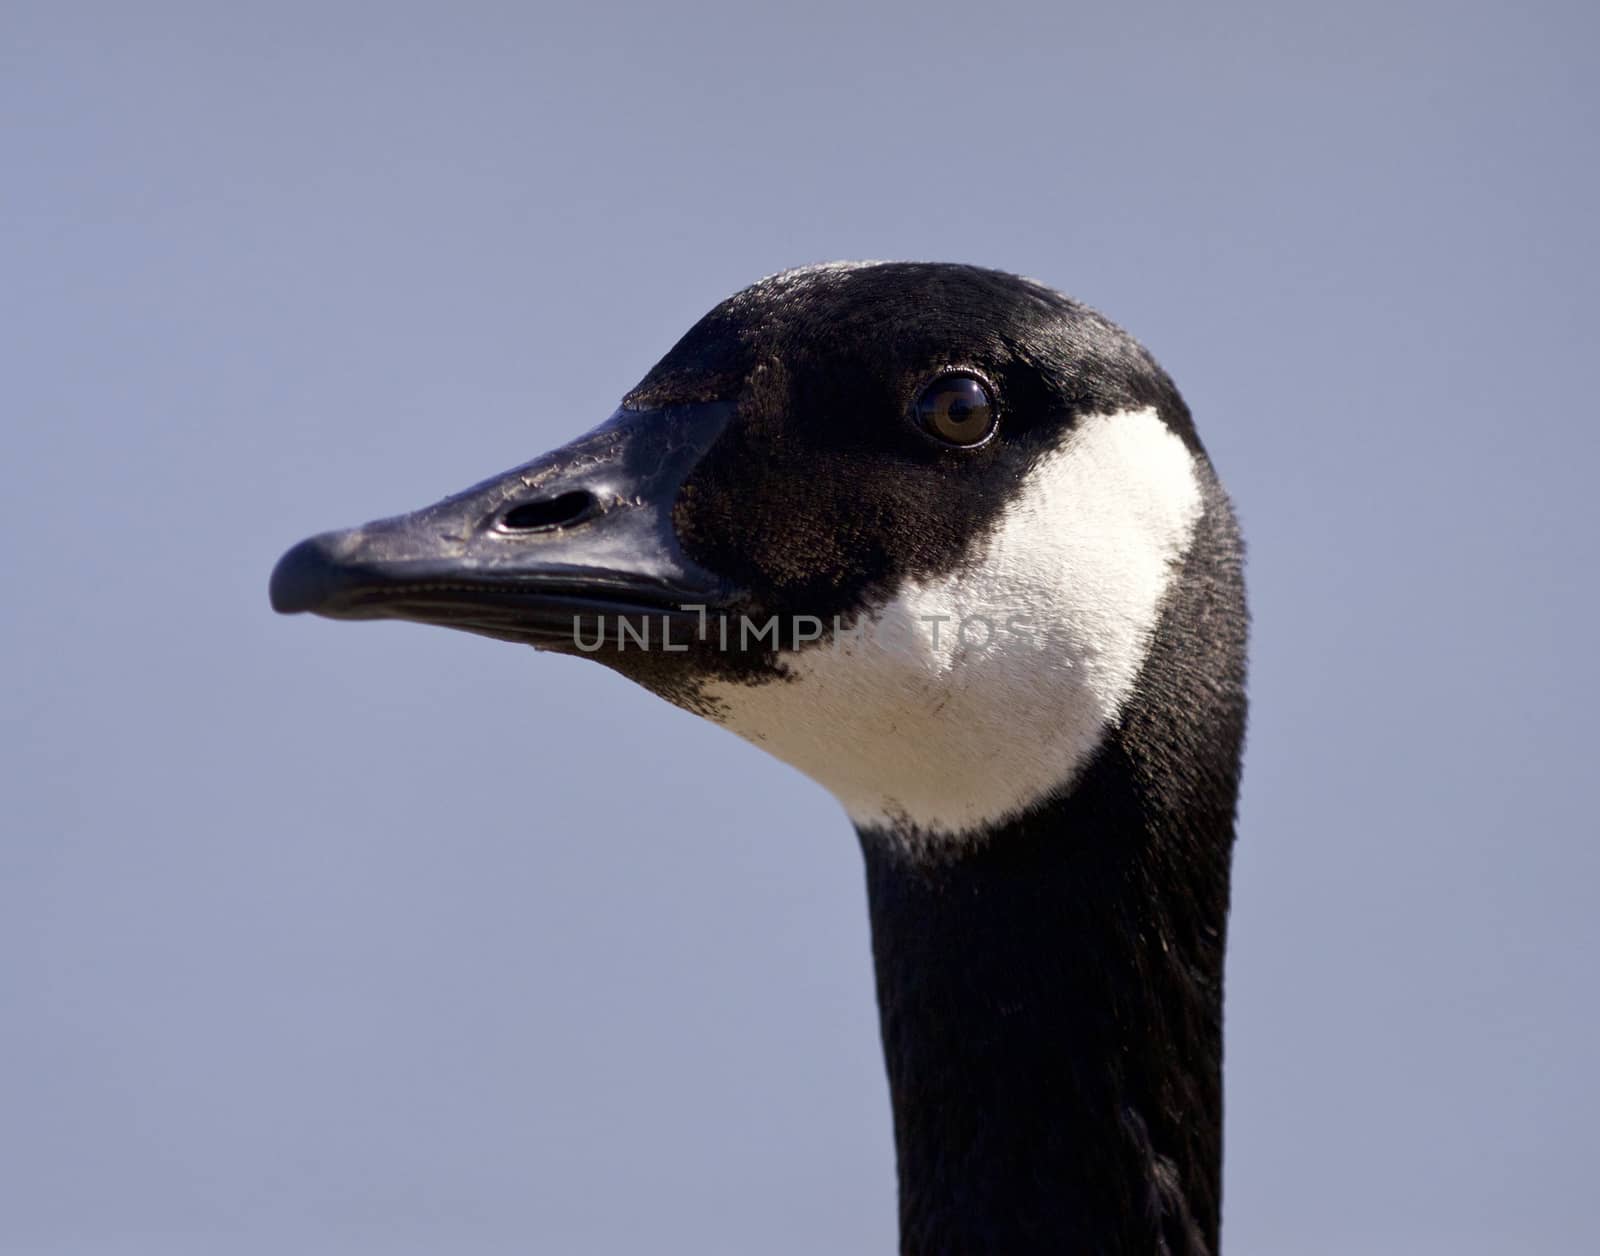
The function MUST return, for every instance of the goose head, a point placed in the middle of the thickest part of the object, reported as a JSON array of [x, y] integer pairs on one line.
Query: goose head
[[908, 527]]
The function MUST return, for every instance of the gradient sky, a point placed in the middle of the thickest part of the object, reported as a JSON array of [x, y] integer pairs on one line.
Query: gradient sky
[[378, 939]]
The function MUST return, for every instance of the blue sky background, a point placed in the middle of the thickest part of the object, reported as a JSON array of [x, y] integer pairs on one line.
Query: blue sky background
[[375, 939]]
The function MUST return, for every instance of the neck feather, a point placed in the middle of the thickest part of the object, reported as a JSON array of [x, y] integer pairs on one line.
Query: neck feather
[[1051, 992]]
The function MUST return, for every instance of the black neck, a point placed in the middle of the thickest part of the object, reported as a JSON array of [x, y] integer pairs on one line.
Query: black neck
[[1051, 992]]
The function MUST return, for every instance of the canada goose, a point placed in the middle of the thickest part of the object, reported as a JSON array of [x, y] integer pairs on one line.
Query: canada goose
[[946, 541]]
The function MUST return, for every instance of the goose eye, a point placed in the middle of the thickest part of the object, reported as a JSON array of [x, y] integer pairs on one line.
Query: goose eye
[[957, 409]]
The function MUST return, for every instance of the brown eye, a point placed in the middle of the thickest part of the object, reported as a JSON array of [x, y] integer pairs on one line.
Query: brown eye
[[957, 409]]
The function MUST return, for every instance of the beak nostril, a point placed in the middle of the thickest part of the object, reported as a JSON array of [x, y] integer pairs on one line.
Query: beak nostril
[[550, 512]]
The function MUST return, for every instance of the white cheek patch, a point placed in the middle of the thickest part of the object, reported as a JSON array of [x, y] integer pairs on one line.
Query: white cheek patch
[[974, 695]]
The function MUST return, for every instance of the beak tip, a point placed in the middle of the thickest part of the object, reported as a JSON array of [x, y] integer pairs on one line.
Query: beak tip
[[304, 579]]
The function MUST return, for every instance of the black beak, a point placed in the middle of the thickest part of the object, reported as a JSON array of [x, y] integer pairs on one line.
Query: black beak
[[555, 552]]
